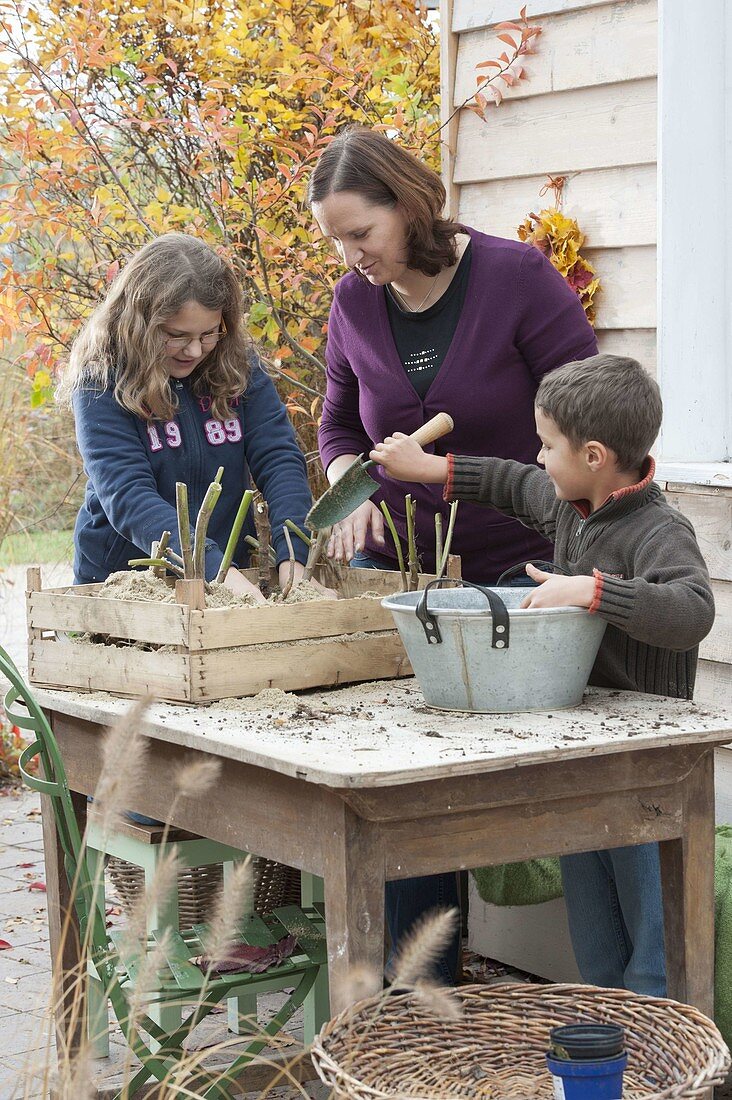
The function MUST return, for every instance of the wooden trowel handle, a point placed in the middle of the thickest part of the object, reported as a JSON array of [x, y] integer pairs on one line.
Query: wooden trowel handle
[[434, 429]]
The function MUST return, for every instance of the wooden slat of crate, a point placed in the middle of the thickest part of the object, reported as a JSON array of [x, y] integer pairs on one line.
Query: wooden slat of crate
[[235, 626], [294, 667], [121, 670], [140, 620]]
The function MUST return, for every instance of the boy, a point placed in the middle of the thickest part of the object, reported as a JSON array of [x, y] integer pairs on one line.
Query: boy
[[635, 562]]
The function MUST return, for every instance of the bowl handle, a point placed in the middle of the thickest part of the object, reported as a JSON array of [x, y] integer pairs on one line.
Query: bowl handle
[[514, 570], [499, 613]]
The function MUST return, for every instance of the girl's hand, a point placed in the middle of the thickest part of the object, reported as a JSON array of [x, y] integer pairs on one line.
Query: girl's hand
[[349, 536], [557, 591], [284, 572], [404, 460], [237, 582]]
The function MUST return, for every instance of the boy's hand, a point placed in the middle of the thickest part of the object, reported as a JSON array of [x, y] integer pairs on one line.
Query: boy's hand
[[557, 591], [404, 460]]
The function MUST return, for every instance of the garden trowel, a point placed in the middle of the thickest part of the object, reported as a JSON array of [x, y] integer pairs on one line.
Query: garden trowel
[[355, 486]]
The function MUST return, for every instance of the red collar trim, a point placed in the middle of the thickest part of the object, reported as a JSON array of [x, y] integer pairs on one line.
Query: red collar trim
[[649, 466], [648, 471]]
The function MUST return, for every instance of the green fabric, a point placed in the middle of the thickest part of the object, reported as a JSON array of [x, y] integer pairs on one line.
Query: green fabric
[[539, 880], [723, 931], [527, 883]]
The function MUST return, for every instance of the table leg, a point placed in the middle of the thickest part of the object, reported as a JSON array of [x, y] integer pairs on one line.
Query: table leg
[[354, 907], [687, 869], [67, 966]]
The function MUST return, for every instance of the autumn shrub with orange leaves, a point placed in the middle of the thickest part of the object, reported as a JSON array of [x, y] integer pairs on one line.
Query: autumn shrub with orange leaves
[[123, 120]]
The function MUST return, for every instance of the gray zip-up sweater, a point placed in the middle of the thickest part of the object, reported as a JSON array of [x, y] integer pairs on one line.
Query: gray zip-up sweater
[[652, 585]]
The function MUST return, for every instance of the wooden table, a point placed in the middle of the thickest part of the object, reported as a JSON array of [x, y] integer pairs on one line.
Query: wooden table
[[365, 783]]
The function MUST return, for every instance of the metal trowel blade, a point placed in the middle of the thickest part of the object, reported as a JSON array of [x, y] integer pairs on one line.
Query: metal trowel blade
[[351, 489]]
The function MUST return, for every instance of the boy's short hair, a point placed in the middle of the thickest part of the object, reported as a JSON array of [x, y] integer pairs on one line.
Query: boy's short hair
[[608, 398]]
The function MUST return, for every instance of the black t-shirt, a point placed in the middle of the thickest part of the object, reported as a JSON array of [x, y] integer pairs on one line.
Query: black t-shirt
[[422, 339]]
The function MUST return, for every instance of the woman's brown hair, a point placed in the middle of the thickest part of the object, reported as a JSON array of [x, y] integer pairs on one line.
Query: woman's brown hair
[[384, 174], [123, 342]]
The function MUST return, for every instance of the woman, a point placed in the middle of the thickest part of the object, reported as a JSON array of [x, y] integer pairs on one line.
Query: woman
[[432, 316], [165, 387]]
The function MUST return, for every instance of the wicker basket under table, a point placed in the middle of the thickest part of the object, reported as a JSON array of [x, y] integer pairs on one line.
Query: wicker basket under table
[[391, 1047], [275, 885]]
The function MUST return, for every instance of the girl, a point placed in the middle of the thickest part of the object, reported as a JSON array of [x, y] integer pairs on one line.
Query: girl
[[165, 387]]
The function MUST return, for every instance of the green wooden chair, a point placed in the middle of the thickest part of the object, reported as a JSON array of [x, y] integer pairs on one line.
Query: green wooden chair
[[180, 981]]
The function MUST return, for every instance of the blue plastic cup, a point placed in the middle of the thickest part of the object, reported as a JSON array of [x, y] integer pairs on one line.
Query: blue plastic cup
[[582, 1080], [587, 1061]]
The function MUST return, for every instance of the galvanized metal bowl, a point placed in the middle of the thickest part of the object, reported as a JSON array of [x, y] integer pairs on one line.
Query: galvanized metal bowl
[[474, 648]]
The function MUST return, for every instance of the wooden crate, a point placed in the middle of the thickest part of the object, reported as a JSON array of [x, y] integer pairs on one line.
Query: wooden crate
[[307, 645]]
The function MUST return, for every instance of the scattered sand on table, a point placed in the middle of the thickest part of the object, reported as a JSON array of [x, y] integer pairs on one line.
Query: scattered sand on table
[[270, 699]]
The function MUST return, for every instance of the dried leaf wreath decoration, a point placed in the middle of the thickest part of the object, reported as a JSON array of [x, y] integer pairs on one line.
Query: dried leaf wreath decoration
[[560, 239]]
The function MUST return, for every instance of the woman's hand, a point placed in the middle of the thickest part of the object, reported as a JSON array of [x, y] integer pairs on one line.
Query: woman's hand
[[404, 460], [349, 536], [283, 570], [238, 583], [558, 591]]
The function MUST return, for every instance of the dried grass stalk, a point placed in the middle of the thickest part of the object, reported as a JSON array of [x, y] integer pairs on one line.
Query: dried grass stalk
[[287, 586], [123, 762], [439, 1000], [361, 981], [235, 899], [162, 887], [194, 779], [147, 978], [422, 947]]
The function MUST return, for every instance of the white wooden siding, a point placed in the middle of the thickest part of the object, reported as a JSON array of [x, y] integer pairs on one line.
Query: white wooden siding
[[615, 207], [483, 13], [577, 130], [588, 112], [576, 49]]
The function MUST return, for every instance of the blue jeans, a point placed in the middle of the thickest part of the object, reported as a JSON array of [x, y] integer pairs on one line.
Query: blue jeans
[[615, 910], [408, 899]]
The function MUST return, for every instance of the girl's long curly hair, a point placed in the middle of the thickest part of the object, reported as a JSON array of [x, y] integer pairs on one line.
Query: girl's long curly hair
[[123, 343]]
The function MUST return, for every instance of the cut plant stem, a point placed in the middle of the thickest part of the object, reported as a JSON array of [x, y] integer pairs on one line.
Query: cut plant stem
[[204, 515], [251, 541], [411, 508], [440, 567], [163, 544], [298, 531], [438, 539], [397, 543], [171, 555], [157, 550], [184, 528], [287, 586], [234, 534], [156, 564], [317, 546], [264, 537]]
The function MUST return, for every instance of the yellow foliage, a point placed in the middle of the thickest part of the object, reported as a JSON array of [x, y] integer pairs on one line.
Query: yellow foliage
[[125, 120], [560, 239]]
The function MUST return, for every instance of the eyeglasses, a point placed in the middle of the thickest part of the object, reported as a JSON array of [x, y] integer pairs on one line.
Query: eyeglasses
[[207, 340]]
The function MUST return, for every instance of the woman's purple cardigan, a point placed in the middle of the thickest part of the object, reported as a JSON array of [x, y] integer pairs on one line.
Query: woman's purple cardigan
[[519, 321]]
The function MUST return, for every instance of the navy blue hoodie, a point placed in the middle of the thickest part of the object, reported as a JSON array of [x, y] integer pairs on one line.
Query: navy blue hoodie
[[133, 466]]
